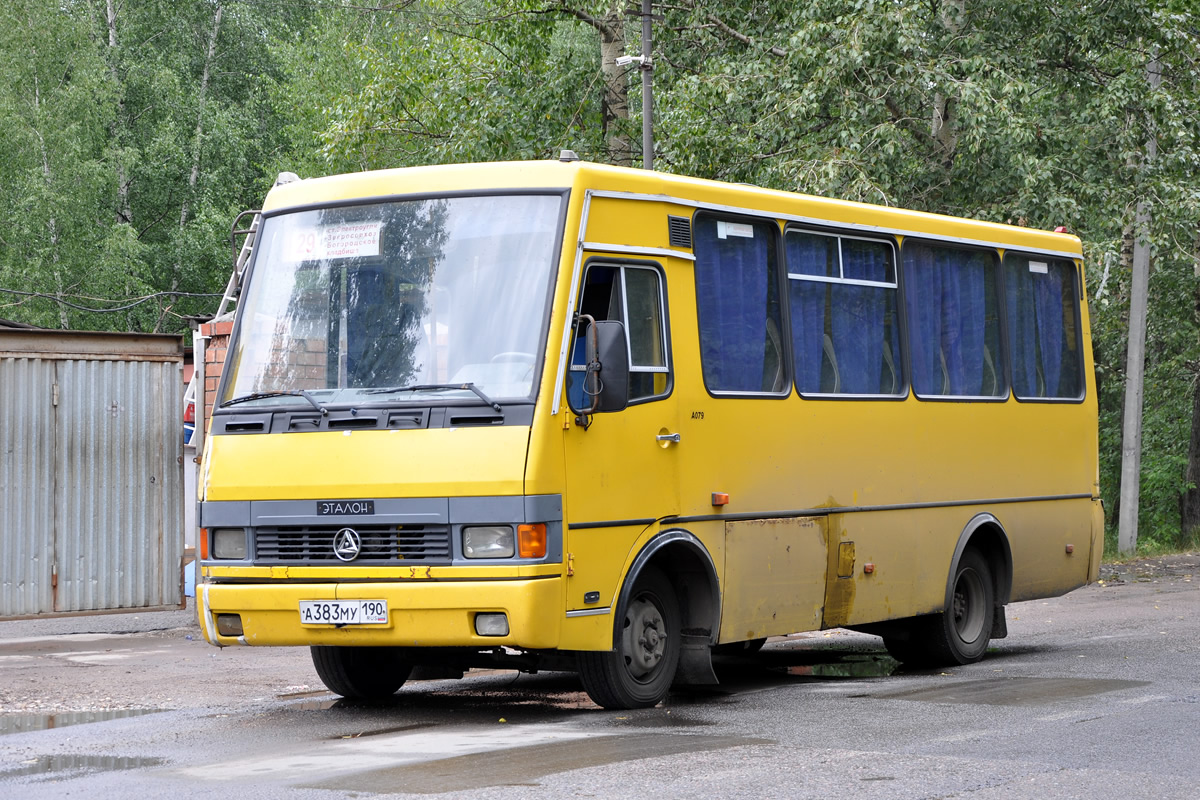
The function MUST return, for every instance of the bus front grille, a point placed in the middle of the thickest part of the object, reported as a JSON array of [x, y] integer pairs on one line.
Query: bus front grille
[[307, 544]]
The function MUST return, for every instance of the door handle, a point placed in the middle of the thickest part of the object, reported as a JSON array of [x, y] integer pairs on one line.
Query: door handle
[[668, 437]]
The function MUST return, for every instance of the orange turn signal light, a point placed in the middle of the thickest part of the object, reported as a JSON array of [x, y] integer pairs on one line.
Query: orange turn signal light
[[531, 541], [204, 544], [720, 498]]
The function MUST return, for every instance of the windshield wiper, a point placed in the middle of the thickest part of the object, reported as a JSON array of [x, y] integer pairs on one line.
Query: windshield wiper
[[246, 398], [433, 387]]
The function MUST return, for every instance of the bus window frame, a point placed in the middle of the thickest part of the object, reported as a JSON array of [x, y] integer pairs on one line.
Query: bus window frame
[[901, 314], [785, 344], [622, 264], [1077, 291], [1005, 365]]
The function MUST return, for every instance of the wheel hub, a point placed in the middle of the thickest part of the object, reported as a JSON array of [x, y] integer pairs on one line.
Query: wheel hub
[[967, 606], [645, 637]]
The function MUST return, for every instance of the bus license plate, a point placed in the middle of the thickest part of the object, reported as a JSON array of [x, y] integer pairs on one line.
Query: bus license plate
[[343, 612]]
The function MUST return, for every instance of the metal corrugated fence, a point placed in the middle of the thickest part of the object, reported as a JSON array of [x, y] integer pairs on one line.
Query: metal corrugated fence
[[91, 472]]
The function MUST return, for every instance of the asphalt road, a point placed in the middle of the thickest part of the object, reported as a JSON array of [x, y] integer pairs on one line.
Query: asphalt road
[[1093, 695]]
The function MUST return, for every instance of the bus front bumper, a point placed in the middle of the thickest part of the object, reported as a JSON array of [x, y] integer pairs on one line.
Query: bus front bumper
[[418, 614]]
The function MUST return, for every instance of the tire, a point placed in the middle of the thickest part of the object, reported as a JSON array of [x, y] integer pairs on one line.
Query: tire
[[961, 633], [639, 672], [361, 673]]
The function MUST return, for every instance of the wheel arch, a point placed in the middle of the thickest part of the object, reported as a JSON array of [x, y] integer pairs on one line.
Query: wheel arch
[[689, 567], [985, 533]]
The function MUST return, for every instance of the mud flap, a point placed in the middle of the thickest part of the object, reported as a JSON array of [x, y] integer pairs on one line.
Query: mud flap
[[999, 624], [695, 662]]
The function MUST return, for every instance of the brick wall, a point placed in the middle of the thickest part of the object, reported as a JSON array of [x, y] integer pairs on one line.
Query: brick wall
[[214, 361]]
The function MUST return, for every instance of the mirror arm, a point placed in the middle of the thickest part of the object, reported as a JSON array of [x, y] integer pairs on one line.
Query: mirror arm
[[591, 367]]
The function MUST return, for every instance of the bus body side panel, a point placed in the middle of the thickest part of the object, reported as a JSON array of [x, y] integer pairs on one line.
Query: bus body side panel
[[774, 577]]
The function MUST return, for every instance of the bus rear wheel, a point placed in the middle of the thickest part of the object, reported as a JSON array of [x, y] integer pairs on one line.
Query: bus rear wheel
[[961, 633], [639, 672], [361, 673]]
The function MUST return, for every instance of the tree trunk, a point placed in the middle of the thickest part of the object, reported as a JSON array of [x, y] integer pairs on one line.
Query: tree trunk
[[943, 127], [615, 117], [197, 139], [124, 211], [203, 93], [1189, 501]]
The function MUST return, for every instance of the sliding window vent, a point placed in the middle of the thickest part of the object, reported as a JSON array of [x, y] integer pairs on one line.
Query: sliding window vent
[[680, 230]]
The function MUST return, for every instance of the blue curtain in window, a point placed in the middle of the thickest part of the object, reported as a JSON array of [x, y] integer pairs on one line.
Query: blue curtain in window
[[1048, 302], [923, 301], [858, 319], [808, 255], [731, 295], [1022, 325], [964, 320], [946, 298]]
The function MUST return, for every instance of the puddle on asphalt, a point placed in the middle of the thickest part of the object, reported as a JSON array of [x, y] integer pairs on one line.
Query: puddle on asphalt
[[524, 766], [46, 765], [848, 667], [382, 731], [1013, 691], [22, 723]]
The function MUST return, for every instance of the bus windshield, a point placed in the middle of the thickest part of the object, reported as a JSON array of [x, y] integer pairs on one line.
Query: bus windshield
[[422, 297]]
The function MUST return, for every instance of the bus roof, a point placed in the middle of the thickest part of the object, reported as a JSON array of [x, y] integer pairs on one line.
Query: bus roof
[[652, 185]]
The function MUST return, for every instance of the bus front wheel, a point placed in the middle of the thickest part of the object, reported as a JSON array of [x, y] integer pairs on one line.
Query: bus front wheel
[[361, 673], [960, 634], [639, 672]]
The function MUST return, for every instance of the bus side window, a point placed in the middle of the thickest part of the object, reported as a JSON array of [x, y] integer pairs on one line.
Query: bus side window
[[842, 294], [738, 307], [632, 295], [1043, 334], [953, 321]]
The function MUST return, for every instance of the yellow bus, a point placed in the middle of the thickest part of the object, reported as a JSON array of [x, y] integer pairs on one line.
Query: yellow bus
[[563, 415]]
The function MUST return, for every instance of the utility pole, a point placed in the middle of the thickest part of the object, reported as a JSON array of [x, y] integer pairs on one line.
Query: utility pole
[[647, 96], [646, 63], [1135, 363]]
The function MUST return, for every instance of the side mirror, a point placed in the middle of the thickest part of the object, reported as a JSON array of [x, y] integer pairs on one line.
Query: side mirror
[[603, 384], [608, 383]]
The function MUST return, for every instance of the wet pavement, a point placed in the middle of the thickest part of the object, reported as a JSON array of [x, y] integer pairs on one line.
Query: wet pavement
[[1094, 695]]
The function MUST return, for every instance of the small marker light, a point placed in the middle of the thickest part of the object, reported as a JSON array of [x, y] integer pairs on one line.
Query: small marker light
[[1061, 229], [531, 541], [1070, 549], [868, 568], [720, 498]]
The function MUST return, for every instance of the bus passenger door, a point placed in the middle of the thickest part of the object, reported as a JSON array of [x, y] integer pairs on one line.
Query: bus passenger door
[[621, 470]]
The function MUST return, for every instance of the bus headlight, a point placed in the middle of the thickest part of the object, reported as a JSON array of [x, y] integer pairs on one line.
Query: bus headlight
[[229, 543], [488, 541]]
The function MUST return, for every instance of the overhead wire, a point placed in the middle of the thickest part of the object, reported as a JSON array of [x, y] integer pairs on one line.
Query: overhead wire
[[112, 309]]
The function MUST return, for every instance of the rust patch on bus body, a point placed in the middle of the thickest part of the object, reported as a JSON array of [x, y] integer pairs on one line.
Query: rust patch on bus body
[[840, 586]]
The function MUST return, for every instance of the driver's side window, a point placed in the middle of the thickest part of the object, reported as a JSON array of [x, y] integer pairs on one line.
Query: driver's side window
[[634, 296]]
